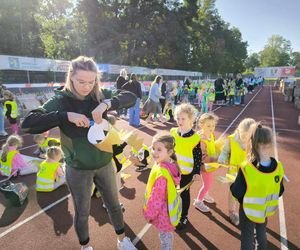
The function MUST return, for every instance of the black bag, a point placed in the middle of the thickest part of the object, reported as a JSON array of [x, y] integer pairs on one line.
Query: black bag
[[15, 192]]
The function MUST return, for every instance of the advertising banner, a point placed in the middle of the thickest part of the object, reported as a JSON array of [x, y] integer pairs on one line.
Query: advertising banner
[[275, 72]]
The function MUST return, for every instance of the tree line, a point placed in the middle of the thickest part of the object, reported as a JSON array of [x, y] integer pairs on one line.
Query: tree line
[[187, 35]]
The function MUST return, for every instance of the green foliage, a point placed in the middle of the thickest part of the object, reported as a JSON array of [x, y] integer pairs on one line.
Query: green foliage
[[252, 61], [176, 34], [276, 52]]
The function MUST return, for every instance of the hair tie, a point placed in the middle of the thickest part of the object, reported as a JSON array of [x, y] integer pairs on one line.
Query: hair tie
[[259, 126]]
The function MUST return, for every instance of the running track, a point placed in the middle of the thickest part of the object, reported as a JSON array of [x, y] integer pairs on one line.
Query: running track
[[45, 221]]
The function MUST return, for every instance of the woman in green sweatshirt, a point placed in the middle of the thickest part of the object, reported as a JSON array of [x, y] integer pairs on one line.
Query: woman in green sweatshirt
[[72, 109]]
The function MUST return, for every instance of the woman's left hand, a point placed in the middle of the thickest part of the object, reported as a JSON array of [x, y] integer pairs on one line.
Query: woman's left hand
[[98, 112]]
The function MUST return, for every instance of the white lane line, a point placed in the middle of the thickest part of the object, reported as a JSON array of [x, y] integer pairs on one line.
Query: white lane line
[[34, 215], [147, 226], [242, 111], [216, 108], [141, 234], [282, 224], [31, 146]]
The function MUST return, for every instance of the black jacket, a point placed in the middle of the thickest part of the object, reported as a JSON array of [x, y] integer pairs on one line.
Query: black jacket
[[133, 87]]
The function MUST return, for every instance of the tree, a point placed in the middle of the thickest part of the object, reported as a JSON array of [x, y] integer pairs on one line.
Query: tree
[[252, 61], [276, 52], [19, 29], [295, 60]]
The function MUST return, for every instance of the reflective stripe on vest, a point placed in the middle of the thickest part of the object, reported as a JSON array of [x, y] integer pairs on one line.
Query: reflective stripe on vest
[[184, 150], [14, 108], [140, 153], [262, 194], [211, 152], [174, 200], [237, 155], [121, 158], [45, 176], [6, 166]]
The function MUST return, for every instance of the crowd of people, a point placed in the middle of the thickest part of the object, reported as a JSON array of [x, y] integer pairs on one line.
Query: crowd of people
[[187, 153]]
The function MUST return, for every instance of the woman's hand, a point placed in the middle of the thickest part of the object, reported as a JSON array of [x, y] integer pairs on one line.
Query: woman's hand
[[78, 119], [98, 112]]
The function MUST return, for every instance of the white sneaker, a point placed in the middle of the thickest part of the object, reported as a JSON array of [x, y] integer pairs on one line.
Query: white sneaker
[[209, 199], [4, 133], [87, 248], [234, 219], [126, 244], [201, 206]]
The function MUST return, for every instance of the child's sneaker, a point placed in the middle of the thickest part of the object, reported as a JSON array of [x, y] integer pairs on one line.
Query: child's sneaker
[[209, 199], [86, 248], [125, 244], [234, 219], [201, 206], [141, 169], [182, 223]]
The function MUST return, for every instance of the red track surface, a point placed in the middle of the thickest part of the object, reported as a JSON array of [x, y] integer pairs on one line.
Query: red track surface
[[53, 229]]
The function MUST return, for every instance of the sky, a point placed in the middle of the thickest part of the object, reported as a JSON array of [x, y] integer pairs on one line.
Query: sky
[[258, 20]]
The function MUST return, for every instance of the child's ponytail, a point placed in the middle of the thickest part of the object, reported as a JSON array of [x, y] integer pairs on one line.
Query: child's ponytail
[[174, 158], [4, 152]]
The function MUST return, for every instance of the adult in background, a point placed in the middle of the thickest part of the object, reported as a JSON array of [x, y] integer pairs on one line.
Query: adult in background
[[2, 129], [134, 87], [162, 100], [152, 105], [121, 80], [71, 109], [238, 89], [219, 88]]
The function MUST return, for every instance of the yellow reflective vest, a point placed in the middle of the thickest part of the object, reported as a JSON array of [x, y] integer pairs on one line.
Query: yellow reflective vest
[[174, 200], [167, 113], [14, 108], [140, 153], [6, 166], [262, 193], [45, 144], [46, 176], [211, 151], [184, 150], [121, 158], [237, 155]]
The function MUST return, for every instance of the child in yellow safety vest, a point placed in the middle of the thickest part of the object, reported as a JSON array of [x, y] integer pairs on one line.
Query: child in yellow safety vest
[[258, 186], [51, 174], [189, 154], [10, 110], [206, 123], [169, 112], [12, 162], [44, 143], [162, 204], [234, 154], [211, 98]]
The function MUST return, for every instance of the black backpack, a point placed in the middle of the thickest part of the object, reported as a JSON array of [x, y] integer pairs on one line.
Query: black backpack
[[15, 192]]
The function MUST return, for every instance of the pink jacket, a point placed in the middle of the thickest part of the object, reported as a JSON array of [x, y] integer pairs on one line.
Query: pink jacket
[[157, 205], [18, 161]]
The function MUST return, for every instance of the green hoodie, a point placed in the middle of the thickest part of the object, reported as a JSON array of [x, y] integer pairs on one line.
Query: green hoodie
[[79, 152]]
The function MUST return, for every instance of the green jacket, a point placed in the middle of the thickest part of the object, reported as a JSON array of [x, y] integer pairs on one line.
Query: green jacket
[[79, 152]]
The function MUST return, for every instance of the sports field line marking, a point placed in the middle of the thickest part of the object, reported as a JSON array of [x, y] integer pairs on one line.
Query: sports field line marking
[[282, 224], [34, 215], [242, 111], [141, 234], [147, 226]]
